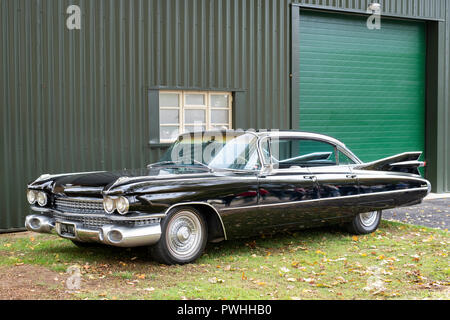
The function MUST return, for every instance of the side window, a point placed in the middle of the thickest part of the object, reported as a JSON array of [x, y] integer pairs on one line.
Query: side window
[[343, 159], [288, 152]]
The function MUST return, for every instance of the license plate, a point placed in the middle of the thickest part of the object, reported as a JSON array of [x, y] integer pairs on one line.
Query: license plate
[[67, 229]]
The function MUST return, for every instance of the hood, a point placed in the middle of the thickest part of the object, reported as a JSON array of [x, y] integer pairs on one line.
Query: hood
[[93, 183]]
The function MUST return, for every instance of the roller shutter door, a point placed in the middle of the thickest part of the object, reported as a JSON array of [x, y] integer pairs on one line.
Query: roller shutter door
[[363, 87]]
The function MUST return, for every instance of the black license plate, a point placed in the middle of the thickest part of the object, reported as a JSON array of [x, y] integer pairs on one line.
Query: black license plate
[[67, 229]]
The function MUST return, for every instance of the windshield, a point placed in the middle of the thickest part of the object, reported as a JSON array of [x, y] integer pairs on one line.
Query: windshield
[[214, 150]]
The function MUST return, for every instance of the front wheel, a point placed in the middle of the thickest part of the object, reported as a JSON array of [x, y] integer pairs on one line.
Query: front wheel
[[183, 238], [364, 223]]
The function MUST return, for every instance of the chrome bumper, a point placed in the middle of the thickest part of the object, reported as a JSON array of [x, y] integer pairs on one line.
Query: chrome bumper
[[115, 235]]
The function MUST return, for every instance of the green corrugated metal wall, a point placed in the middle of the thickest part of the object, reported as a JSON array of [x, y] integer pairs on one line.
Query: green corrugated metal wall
[[363, 87], [78, 100]]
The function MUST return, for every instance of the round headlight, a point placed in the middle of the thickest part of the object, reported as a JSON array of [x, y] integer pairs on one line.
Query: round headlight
[[31, 196], [122, 205], [108, 205], [41, 198]]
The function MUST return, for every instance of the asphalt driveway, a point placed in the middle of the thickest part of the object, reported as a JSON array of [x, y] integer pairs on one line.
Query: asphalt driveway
[[434, 213]]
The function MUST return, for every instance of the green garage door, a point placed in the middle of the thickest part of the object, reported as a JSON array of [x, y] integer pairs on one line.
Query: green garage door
[[363, 87]]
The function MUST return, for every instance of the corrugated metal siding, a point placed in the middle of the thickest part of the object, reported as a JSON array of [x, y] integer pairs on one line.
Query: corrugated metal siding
[[407, 8], [446, 119], [78, 100]]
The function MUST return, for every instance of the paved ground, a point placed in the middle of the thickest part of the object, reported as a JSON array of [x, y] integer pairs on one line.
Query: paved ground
[[432, 212]]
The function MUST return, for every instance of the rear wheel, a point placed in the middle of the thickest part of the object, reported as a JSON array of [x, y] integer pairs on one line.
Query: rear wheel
[[364, 223], [183, 238]]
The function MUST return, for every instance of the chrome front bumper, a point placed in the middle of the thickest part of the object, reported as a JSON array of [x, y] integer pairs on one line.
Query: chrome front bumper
[[111, 234]]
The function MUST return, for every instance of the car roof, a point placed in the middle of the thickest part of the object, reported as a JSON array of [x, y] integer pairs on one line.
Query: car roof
[[271, 133]]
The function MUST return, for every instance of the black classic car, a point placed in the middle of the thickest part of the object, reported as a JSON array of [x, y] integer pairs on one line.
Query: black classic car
[[218, 185]]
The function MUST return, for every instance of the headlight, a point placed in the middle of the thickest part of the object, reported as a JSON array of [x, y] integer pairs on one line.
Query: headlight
[[122, 205], [31, 196], [41, 198], [108, 204]]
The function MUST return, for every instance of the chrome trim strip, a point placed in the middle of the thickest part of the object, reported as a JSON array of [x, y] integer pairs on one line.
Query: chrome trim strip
[[83, 189], [77, 199], [326, 199], [201, 203]]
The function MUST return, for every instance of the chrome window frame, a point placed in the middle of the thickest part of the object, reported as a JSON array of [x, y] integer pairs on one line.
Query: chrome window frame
[[338, 146]]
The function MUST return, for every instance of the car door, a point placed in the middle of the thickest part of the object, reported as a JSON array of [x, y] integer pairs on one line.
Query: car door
[[288, 193], [338, 184]]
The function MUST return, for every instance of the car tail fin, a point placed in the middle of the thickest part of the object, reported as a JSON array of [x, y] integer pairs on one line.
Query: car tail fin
[[403, 162]]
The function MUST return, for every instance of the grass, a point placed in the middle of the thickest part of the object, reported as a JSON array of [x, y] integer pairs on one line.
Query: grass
[[398, 261]]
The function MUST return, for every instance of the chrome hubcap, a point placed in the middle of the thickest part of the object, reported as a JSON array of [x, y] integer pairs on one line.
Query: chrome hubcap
[[184, 235], [368, 218]]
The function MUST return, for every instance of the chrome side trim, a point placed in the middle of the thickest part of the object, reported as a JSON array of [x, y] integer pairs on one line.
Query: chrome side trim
[[327, 199], [408, 163], [201, 203]]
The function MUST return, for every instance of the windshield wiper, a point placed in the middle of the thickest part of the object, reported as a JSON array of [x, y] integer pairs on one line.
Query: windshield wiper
[[179, 164]]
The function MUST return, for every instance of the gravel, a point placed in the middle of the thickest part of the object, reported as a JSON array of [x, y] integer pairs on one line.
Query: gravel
[[434, 213]]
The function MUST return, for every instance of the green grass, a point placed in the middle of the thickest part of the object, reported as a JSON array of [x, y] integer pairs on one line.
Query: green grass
[[397, 262]]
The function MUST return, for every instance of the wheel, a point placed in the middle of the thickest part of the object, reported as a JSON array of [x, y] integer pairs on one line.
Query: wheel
[[364, 223], [183, 237], [80, 244]]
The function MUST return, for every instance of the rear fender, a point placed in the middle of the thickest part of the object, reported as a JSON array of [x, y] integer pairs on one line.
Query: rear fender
[[406, 162]]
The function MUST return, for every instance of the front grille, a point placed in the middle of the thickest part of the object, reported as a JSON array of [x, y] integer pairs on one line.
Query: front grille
[[77, 205], [90, 213]]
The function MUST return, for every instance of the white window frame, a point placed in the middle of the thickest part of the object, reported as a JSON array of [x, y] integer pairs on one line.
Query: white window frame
[[182, 106]]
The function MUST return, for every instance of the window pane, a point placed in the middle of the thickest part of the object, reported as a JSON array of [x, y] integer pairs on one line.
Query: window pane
[[168, 99], [194, 128], [168, 133], [169, 116], [195, 99], [219, 101], [194, 115], [219, 116], [343, 159], [301, 152]]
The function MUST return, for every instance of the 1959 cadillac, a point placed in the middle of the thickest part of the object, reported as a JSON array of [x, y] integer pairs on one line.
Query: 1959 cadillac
[[217, 185]]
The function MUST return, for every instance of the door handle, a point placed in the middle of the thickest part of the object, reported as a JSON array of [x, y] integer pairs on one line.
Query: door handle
[[309, 177], [351, 176]]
